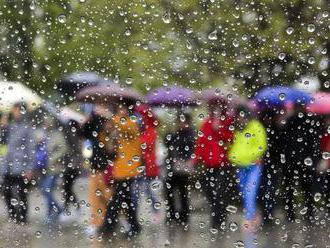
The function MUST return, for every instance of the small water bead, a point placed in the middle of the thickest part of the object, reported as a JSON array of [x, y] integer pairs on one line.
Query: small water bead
[[13, 201], [311, 28], [326, 155], [317, 196], [166, 17], [213, 35], [233, 226], [198, 185], [289, 30], [308, 161], [281, 56], [38, 234], [231, 209], [61, 18], [303, 211]]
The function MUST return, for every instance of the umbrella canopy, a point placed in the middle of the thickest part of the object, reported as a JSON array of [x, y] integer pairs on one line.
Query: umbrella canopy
[[72, 83], [107, 93], [320, 104], [12, 92], [214, 96], [65, 114], [281, 95], [172, 96]]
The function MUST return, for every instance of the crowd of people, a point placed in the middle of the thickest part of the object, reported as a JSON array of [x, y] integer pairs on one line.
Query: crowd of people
[[272, 158]]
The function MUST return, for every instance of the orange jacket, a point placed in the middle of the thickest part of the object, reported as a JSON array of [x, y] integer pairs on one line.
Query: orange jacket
[[129, 148]]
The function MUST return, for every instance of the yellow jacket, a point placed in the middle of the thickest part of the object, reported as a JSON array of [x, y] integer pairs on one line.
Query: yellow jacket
[[129, 148]]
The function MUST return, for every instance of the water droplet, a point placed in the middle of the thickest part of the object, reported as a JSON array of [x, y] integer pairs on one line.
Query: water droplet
[[231, 209], [303, 211], [198, 185], [213, 35], [326, 155], [233, 226], [311, 28], [61, 18], [308, 161], [289, 30], [317, 197], [38, 234], [167, 17], [281, 56], [13, 201], [282, 96]]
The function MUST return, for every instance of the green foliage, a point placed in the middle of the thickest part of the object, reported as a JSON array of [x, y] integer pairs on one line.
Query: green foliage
[[150, 43]]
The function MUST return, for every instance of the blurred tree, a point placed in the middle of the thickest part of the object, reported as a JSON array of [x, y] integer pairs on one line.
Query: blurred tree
[[244, 44]]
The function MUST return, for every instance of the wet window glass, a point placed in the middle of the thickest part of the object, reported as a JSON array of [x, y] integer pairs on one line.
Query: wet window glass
[[164, 123]]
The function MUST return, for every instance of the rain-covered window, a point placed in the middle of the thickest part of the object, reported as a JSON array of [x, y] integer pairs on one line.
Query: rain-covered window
[[164, 123]]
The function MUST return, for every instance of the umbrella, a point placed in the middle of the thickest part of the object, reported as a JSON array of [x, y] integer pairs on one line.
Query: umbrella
[[171, 96], [219, 95], [74, 82], [64, 114], [108, 92], [281, 95], [320, 103], [12, 92]]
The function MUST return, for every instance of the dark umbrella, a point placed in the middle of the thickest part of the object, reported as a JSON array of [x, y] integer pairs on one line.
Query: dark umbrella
[[171, 96], [107, 93], [72, 83], [280, 95]]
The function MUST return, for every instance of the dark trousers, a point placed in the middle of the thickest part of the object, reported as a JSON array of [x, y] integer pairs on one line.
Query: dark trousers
[[301, 180], [269, 187], [179, 184], [121, 201], [218, 186], [15, 193], [69, 178]]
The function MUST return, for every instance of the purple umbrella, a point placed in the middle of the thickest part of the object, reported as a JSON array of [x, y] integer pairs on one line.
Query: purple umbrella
[[215, 96], [172, 96]]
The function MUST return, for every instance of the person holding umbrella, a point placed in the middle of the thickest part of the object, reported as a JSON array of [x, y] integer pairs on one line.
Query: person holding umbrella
[[125, 166], [216, 135]]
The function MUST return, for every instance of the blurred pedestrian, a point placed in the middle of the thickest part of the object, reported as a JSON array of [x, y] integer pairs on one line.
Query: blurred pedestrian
[[151, 175], [217, 178], [248, 148], [96, 129], [302, 154], [50, 151], [18, 163], [72, 166], [125, 170], [179, 165], [273, 162]]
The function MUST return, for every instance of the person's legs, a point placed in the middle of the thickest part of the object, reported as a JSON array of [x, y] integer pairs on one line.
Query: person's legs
[[307, 181], [23, 198], [8, 184], [69, 178], [99, 195], [47, 186], [250, 191], [132, 207], [169, 194], [183, 191], [289, 188], [152, 194]]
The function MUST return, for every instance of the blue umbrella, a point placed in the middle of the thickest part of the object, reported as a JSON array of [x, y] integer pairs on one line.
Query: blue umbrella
[[281, 95]]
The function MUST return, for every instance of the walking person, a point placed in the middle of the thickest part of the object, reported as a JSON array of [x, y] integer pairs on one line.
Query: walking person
[[303, 154], [151, 175], [125, 170], [100, 134], [246, 153], [72, 166], [18, 164], [179, 166], [217, 176], [51, 148]]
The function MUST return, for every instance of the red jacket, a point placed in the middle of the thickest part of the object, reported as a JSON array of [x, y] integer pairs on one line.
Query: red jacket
[[149, 138], [211, 149]]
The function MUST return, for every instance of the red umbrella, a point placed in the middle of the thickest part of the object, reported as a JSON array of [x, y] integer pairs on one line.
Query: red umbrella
[[107, 93], [320, 103]]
